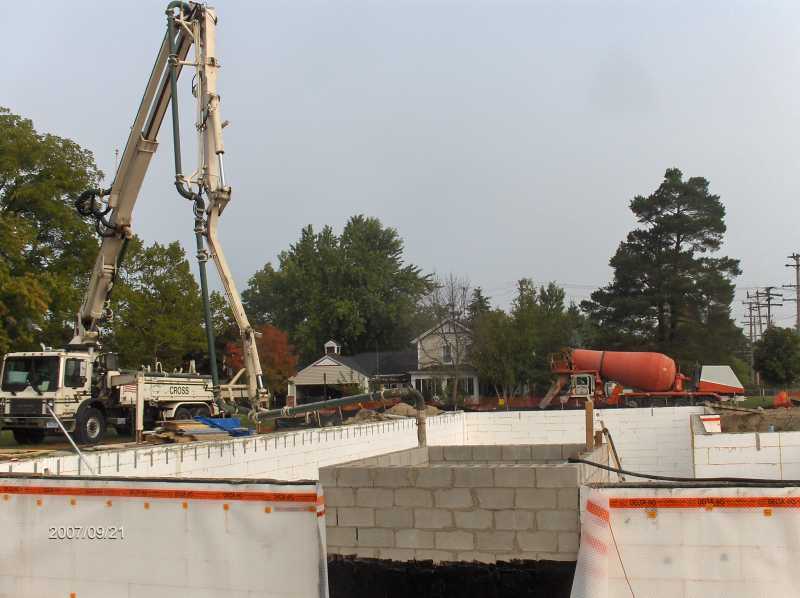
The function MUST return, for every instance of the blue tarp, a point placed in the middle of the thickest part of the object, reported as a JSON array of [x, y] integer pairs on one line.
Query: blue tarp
[[231, 425]]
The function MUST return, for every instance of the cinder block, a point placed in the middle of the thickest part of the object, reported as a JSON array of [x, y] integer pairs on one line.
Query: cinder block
[[396, 518], [513, 519], [495, 498], [568, 542], [479, 476], [435, 453], [432, 518], [327, 477], [536, 498], [396, 554], [339, 497], [487, 453], [454, 498], [457, 453], [517, 453], [390, 477], [508, 476], [375, 537], [341, 536], [330, 515], [437, 556], [557, 476], [557, 520], [413, 538], [537, 541], [434, 477], [356, 517], [374, 497], [458, 540], [546, 452], [477, 519], [357, 477], [495, 540], [413, 497], [568, 498]]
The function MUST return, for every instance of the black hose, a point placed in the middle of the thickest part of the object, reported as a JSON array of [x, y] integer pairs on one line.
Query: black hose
[[666, 478]]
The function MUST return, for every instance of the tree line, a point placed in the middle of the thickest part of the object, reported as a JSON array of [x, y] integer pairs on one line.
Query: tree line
[[670, 291]]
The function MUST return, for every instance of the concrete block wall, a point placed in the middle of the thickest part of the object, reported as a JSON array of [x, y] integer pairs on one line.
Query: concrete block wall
[[769, 455], [463, 505], [655, 440]]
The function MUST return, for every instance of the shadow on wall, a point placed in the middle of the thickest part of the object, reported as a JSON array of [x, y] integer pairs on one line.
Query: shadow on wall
[[374, 578]]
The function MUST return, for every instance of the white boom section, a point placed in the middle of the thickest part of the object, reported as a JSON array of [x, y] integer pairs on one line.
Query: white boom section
[[197, 26]]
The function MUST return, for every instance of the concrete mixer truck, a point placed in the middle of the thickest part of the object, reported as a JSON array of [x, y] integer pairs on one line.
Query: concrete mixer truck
[[629, 378]]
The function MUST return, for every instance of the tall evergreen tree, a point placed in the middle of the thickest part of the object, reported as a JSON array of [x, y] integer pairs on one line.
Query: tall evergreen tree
[[670, 292]]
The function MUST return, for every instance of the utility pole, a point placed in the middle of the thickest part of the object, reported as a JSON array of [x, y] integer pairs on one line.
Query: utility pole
[[795, 257], [750, 304], [769, 296], [759, 321]]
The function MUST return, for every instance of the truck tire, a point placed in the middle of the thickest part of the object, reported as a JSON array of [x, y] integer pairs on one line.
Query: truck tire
[[21, 436], [182, 413], [90, 426], [202, 411], [36, 435]]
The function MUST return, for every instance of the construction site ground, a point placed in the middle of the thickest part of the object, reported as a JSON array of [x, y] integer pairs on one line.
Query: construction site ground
[[781, 419]]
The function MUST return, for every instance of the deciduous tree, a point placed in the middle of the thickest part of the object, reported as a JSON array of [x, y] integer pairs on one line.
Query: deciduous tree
[[353, 287], [777, 356], [46, 249]]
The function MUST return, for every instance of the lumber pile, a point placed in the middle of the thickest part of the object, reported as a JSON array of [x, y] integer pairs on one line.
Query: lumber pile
[[182, 431]]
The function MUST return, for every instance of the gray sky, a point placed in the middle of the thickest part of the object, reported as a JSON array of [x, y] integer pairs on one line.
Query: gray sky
[[502, 139]]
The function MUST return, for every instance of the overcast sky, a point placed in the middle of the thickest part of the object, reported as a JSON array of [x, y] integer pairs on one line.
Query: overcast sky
[[501, 139]]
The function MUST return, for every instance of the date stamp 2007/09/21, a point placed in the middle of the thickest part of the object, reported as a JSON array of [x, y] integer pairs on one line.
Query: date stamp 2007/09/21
[[85, 532]]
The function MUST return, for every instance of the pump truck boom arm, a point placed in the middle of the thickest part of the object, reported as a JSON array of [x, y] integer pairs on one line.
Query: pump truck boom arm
[[188, 25]]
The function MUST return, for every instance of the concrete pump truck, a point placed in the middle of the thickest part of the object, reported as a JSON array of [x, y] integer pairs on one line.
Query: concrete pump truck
[[81, 386]]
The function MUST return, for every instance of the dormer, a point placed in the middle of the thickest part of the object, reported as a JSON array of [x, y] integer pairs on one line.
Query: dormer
[[333, 348]]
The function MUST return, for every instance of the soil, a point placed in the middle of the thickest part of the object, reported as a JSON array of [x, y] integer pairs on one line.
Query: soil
[[783, 420], [373, 578]]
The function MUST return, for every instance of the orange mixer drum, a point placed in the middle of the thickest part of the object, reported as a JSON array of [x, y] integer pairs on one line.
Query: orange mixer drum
[[650, 372]]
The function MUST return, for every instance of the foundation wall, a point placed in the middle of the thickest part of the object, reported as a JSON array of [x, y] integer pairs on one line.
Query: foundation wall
[[768, 455], [461, 503]]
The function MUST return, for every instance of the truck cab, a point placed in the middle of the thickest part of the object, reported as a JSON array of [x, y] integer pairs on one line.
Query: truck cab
[[32, 380]]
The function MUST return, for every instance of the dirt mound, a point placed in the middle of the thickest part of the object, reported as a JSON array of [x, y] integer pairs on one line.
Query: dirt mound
[[766, 420], [407, 410]]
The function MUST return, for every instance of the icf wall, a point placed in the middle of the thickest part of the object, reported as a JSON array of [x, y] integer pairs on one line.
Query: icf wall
[[770, 455], [289, 456], [656, 440]]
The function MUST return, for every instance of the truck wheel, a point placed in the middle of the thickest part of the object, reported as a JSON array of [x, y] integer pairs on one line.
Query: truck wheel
[[202, 411], [21, 436], [90, 426], [36, 436], [182, 413]]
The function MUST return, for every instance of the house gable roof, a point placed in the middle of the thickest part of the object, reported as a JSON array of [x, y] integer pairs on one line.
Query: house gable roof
[[439, 325], [369, 364]]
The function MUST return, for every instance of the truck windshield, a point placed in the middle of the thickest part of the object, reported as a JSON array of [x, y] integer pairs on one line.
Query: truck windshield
[[41, 373]]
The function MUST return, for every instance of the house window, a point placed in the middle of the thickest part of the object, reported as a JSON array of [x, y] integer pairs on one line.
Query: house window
[[447, 353]]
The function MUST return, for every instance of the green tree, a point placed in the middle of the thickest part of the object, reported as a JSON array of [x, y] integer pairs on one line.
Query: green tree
[[512, 350], [158, 311], [479, 304], [47, 250], [669, 292], [493, 352], [777, 356], [354, 287]]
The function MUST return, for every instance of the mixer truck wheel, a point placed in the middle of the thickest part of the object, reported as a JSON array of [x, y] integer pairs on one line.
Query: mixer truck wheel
[[90, 425]]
